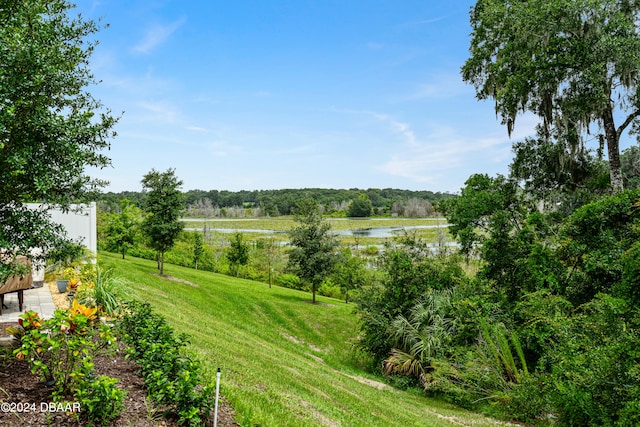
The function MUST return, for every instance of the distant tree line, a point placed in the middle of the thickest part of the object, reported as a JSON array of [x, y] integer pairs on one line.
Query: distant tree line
[[282, 202]]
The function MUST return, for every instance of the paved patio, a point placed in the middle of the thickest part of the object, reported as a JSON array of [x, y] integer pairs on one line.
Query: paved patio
[[36, 299]]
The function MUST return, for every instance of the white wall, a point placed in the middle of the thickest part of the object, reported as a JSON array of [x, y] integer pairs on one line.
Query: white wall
[[80, 223]]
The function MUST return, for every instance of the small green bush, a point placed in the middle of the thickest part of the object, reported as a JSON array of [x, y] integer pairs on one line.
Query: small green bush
[[371, 250], [329, 289], [172, 379], [100, 399], [290, 281]]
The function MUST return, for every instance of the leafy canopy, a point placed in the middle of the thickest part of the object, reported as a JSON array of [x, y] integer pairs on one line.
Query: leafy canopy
[[51, 128], [573, 63], [238, 253], [164, 204], [360, 207], [313, 249]]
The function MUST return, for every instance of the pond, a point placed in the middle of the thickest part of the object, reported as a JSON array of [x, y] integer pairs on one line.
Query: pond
[[385, 232]]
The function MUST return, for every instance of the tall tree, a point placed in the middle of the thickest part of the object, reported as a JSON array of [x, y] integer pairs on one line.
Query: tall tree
[[269, 255], [51, 127], [164, 204], [238, 253], [574, 63], [197, 248], [313, 249], [122, 228]]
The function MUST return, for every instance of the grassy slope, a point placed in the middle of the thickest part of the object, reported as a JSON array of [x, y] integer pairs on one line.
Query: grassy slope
[[284, 361]]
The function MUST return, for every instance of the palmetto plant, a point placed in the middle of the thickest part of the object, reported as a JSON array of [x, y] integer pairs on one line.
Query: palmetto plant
[[421, 337], [496, 347]]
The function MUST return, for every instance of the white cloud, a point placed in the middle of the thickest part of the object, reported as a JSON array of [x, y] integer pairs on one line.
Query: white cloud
[[160, 111], [299, 149], [156, 35], [399, 127], [222, 148], [196, 129], [426, 21], [424, 159], [440, 86]]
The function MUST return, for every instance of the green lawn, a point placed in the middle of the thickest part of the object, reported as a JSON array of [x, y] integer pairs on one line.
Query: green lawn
[[284, 361]]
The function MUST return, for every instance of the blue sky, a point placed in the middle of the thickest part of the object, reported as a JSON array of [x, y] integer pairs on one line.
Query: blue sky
[[265, 94]]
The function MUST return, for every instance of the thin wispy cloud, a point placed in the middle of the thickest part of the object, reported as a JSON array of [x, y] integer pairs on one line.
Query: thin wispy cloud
[[427, 21], [424, 162], [160, 111], [444, 150], [156, 35], [438, 87], [95, 4], [299, 149], [394, 125], [401, 128], [222, 149], [196, 129]]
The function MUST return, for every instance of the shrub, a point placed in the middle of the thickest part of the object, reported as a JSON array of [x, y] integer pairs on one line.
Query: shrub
[[172, 379], [408, 271], [595, 367], [592, 375], [598, 243], [371, 250], [629, 287], [100, 399], [329, 289], [61, 351], [290, 281]]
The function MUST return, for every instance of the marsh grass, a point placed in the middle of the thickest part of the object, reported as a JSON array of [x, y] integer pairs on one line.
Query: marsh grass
[[284, 361], [285, 223]]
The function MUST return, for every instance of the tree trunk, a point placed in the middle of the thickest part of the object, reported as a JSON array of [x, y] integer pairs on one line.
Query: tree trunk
[[161, 263], [613, 150], [313, 293]]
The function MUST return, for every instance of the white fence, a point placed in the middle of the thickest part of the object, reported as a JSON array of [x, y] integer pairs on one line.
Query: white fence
[[79, 221], [80, 224]]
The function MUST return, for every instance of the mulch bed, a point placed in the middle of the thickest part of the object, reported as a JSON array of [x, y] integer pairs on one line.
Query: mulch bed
[[19, 385]]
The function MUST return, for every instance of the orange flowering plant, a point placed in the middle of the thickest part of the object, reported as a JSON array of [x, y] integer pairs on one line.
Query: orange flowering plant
[[84, 310], [72, 284], [61, 349], [28, 321]]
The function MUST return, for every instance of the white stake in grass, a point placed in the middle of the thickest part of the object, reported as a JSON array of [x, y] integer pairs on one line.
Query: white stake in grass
[[215, 412]]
